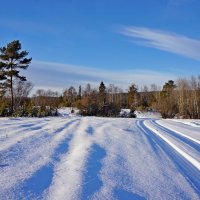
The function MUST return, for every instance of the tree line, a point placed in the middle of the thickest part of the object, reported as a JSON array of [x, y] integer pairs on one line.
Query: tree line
[[179, 99]]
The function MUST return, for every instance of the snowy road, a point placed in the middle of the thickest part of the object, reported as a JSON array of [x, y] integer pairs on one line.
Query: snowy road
[[73, 157]]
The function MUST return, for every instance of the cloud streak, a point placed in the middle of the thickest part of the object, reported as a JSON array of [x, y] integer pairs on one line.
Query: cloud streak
[[163, 40], [57, 76]]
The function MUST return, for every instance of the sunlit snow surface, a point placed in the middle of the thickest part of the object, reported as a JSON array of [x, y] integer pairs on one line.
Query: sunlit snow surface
[[72, 157]]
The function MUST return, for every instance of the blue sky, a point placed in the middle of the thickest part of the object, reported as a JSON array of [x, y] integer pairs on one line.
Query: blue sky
[[74, 42]]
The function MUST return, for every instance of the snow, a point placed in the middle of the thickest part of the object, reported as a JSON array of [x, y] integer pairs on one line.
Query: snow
[[181, 128], [149, 114], [190, 122], [141, 114], [181, 152], [124, 112], [73, 157], [67, 111]]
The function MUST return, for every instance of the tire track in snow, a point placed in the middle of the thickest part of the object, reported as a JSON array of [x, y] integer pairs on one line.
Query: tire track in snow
[[184, 138], [132, 168], [185, 144], [177, 132], [189, 171], [188, 122], [193, 161], [182, 128]]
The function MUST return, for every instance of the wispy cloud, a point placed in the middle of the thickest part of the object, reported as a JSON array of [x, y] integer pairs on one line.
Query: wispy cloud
[[58, 76], [163, 40]]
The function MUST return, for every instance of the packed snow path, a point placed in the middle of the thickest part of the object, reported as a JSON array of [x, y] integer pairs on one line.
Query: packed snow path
[[81, 158]]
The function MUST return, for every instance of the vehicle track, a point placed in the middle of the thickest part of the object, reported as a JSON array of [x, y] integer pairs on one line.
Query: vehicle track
[[188, 170]]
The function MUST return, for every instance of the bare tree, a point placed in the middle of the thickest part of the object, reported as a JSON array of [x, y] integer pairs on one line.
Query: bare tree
[[21, 91]]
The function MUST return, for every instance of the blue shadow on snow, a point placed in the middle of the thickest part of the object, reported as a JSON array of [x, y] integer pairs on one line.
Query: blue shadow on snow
[[92, 183], [41, 180], [122, 194], [90, 130]]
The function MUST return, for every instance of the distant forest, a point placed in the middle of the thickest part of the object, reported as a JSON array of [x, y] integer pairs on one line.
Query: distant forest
[[180, 98]]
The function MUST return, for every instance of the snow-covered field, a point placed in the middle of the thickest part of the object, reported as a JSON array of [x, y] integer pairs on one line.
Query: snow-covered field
[[71, 157]]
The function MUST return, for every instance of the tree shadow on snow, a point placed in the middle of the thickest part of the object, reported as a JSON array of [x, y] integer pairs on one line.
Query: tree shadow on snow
[[42, 179], [92, 183], [123, 194], [90, 130]]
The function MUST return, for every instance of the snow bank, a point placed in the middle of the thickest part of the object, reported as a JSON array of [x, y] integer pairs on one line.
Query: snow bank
[[67, 111], [149, 114]]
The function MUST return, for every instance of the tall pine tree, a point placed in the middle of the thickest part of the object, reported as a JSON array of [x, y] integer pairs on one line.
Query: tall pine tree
[[102, 93], [12, 60], [79, 92], [132, 96]]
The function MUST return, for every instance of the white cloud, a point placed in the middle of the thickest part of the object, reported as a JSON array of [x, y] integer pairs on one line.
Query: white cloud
[[58, 76], [165, 41]]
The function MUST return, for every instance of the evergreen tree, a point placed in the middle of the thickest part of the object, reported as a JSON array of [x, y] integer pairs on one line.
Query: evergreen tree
[[169, 87], [102, 93], [79, 92], [168, 105], [12, 59], [132, 96], [2, 78]]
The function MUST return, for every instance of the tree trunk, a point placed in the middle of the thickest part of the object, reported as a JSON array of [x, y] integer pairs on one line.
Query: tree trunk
[[12, 96]]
